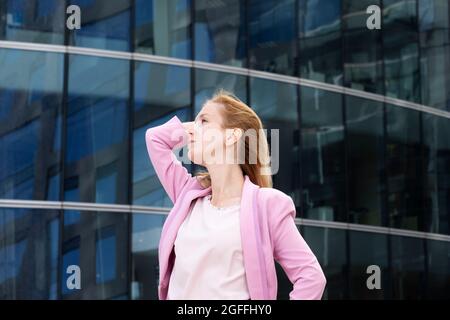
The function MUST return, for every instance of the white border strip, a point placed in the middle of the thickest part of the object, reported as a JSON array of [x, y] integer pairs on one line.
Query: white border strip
[[99, 207], [222, 68]]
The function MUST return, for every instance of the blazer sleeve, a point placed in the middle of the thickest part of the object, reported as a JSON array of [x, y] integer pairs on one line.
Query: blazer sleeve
[[160, 141], [295, 256]]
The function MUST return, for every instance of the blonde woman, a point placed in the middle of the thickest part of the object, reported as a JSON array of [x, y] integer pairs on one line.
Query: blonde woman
[[228, 225]]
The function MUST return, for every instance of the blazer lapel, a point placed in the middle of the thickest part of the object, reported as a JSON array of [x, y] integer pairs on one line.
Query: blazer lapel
[[248, 216]]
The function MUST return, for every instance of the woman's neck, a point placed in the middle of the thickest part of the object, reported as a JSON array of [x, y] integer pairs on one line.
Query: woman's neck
[[227, 183]]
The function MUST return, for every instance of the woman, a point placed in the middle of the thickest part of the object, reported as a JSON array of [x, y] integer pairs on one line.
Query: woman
[[228, 224]]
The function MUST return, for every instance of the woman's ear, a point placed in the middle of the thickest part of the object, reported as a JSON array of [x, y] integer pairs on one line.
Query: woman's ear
[[233, 135]]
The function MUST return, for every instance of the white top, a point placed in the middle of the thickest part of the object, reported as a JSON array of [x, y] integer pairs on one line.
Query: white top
[[209, 264]]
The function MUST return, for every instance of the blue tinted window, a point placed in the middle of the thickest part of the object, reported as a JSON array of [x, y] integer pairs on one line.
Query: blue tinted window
[[145, 274], [97, 128], [40, 21], [11, 259], [401, 49], [162, 27], [207, 82], [272, 33], [367, 248], [105, 255], [105, 24], [323, 157], [320, 40], [161, 91], [71, 257], [28, 253], [106, 181], [220, 34], [365, 143], [30, 122], [276, 104]]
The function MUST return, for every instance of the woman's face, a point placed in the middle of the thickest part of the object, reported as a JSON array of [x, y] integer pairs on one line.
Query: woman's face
[[208, 140]]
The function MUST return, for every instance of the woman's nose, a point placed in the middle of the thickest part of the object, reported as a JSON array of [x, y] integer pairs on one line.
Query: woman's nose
[[190, 130]]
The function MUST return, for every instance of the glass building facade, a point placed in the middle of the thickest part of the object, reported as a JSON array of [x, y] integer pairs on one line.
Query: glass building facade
[[363, 118]]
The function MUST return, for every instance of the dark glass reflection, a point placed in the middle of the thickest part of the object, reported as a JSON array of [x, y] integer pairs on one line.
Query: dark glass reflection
[[30, 124], [434, 27], [145, 271], [404, 169], [99, 246], [401, 49], [437, 171], [363, 65], [220, 34], [408, 265], [365, 149], [276, 104], [207, 82], [97, 130], [105, 24], [320, 40], [322, 162], [438, 266], [272, 33], [161, 91], [29, 246], [368, 249], [40, 21], [162, 27], [329, 246]]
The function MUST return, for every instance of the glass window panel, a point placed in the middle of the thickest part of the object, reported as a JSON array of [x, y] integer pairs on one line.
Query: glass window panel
[[145, 267], [404, 169], [329, 246], [39, 21], [401, 50], [106, 184], [28, 253], [70, 258], [220, 34], [367, 249], [99, 246], [434, 25], [320, 40], [272, 32], [30, 123], [276, 104], [323, 158], [105, 255], [363, 65], [161, 91], [162, 27], [97, 129], [365, 149], [207, 82], [105, 24], [438, 276], [437, 168], [408, 265]]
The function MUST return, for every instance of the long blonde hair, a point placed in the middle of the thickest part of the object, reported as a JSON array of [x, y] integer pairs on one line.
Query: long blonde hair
[[236, 114]]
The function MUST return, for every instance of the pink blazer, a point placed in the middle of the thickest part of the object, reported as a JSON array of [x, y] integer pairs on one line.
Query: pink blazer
[[268, 230]]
